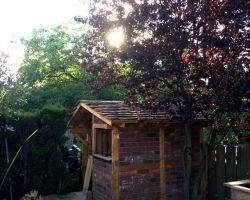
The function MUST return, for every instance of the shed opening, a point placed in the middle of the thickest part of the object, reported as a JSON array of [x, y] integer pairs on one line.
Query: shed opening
[[103, 144]]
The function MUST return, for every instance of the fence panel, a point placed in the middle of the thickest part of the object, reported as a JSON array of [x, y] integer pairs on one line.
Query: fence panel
[[228, 163], [241, 164], [212, 180], [220, 172], [248, 159]]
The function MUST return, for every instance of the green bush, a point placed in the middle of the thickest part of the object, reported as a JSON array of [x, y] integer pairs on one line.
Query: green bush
[[50, 172]]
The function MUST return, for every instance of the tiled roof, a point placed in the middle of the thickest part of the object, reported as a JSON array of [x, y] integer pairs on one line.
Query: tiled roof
[[118, 110]]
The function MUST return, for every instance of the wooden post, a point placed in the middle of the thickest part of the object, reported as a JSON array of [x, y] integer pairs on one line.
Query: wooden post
[[115, 164], [83, 162], [88, 173], [93, 136], [85, 155], [162, 165]]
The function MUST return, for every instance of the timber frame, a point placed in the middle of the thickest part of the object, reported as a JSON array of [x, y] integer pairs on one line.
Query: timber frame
[[89, 116]]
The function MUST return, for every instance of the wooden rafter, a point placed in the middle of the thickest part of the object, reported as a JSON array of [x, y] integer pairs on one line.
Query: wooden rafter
[[97, 114]]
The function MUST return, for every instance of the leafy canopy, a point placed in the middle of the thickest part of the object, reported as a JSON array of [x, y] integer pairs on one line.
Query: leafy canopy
[[186, 57]]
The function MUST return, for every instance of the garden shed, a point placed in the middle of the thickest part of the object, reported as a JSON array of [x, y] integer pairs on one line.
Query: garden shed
[[137, 154]]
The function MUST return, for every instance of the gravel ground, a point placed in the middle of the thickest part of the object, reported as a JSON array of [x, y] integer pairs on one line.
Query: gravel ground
[[71, 196]]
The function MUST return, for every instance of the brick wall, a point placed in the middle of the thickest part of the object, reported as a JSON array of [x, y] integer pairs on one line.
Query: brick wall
[[140, 185], [139, 146], [101, 179], [174, 144]]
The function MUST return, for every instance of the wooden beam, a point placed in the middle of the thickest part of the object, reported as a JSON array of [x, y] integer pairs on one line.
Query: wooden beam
[[109, 159], [146, 121], [93, 137], [120, 125], [138, 167], [85, 154], [142, 124], [83, 162], [152, 166], [100, 116], [88, 173], [102, 126], [115, 164], [73, 115], [94, 141], [162, 165]]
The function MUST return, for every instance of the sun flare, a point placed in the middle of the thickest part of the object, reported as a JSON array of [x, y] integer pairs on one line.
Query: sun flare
[[116, 37]]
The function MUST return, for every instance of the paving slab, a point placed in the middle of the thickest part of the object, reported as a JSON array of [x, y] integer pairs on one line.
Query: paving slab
[[71, 196]]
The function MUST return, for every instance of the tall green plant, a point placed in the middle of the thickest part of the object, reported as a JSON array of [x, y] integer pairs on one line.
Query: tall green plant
[[48, 154], [15, 157]]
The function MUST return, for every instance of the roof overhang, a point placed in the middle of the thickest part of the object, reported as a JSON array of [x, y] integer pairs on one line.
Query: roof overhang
[[117, 113]]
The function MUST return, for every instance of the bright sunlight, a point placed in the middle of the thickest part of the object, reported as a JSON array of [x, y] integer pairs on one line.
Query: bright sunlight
[[116, 37]]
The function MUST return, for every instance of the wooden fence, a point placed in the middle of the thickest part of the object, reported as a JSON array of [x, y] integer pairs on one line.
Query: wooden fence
[[228, 163]]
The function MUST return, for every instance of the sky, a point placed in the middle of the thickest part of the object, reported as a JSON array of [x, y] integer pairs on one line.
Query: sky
[[19, 17]]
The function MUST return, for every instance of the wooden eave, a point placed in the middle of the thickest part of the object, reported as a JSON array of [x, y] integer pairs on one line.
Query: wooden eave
[[118, 113], [97, 114], [116, 120]]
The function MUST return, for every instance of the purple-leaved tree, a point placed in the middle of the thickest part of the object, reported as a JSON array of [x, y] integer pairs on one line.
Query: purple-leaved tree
[[186, 57]]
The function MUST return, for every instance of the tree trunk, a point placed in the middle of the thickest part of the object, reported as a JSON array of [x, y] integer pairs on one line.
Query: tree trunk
[[187, 161], [204, 172], [200, 185]]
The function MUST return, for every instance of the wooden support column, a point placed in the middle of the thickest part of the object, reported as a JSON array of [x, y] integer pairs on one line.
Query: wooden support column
[[84, 164], [162, 165], [115, 164], [85, 155], [93, 136]]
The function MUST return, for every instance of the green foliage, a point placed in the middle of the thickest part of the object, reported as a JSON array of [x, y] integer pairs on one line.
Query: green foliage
[[174, 59], [49, 83], [14, 99], [66, 93], [51, 55], [50, 174], [113, 92], [50, 72], [3, 69], [2, 153]]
